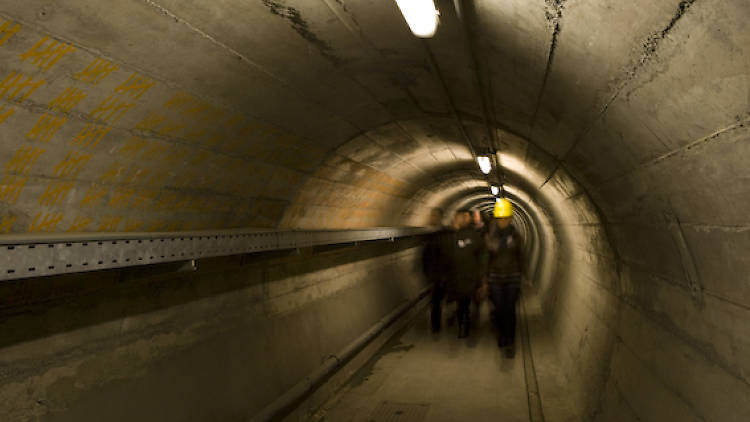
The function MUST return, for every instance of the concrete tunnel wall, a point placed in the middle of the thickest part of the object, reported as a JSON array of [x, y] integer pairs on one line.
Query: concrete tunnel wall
[[621, 125]]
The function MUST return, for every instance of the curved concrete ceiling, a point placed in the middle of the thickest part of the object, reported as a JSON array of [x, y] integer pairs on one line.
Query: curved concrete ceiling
[[104, 134]]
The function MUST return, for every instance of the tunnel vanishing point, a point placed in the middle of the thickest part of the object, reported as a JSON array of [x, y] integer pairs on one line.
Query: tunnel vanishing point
[[214, 210]]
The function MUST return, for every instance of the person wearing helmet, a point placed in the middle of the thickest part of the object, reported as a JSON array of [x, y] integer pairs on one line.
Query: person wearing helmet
[[503, 272]]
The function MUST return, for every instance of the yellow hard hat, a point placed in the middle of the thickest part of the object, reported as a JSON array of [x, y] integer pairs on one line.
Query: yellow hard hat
[[503, 208]]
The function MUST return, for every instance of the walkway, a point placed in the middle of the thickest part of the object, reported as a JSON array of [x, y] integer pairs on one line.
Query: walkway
[[419, 376]]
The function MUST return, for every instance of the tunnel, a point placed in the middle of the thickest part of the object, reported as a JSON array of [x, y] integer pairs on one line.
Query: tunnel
[[216, 210]]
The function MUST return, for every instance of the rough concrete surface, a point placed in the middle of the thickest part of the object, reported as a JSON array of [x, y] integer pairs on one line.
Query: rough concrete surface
[[621, 129]]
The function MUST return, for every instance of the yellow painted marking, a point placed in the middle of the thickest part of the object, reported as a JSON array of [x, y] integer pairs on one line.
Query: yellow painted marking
[[6, 223], [4, 114], [199, 110], [135, 86], [174, 226], [179, 100], [195, 134], [72, 164], [17, 86], [54, 194], [135, 175], [170, 128], [109, 224], [91, 135], [157, 226], [10, 188], [121, 197], [159, 177], [7, 30], [165, 200], [96, 71], [111, 109], [45, 55], [23, 160], [132, 225], [144, 198], [44, 222], [46, 127], [133, 147], [176, 157], [155, 151], [214, 140], [67, 100], [113, 172], [151, 121], [93, 195], [80, 223], [199, 158]]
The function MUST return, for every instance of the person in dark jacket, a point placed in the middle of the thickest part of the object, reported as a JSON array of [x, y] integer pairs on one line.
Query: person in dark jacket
[[463, 247], [434, 267], [503, 272]]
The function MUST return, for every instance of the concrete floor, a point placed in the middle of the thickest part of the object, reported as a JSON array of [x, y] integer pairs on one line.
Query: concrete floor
[[419, 376]]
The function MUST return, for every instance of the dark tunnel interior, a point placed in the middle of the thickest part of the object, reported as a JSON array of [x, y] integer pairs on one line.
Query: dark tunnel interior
[[216, 210]]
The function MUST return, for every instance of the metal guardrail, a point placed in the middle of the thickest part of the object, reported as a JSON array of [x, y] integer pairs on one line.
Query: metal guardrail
[[33, 256]]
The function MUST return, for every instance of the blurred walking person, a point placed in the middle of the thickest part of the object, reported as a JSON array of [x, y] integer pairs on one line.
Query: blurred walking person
[[504, 271], [464, 248], [434, 265]]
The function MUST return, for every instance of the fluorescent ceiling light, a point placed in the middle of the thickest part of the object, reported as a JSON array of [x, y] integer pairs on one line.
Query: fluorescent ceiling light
[[494, 189], [421, 16], [484, 164]]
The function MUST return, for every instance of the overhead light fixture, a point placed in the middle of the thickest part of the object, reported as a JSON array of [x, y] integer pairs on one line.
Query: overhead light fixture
[[421, 16], [484, 164], [494, 189]]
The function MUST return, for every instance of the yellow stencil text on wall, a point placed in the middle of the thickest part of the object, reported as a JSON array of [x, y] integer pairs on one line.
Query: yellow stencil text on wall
[[67, 100], [47, 52], [96, 71], [155, 151], [5, 113], [7, 30], [11, 187], [17, 86], [113, 173], [93, 195], [46, 127], [80, 223], [121, 197], [72, 164], [135, 86], [111, 109], [55, 193], [23, 160], [90, 136], [151, 121], [45, 222], [132, 225], [132, 147], [144, 198], [109, 224], [6, 222], [170, 128]]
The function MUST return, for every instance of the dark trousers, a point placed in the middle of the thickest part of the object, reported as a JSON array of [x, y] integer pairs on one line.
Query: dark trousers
[[463, 313], [436, 317], [504, 295]]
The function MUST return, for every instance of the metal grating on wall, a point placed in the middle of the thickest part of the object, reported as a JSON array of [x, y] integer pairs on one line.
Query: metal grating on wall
[[389, 411], [33, 256]]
